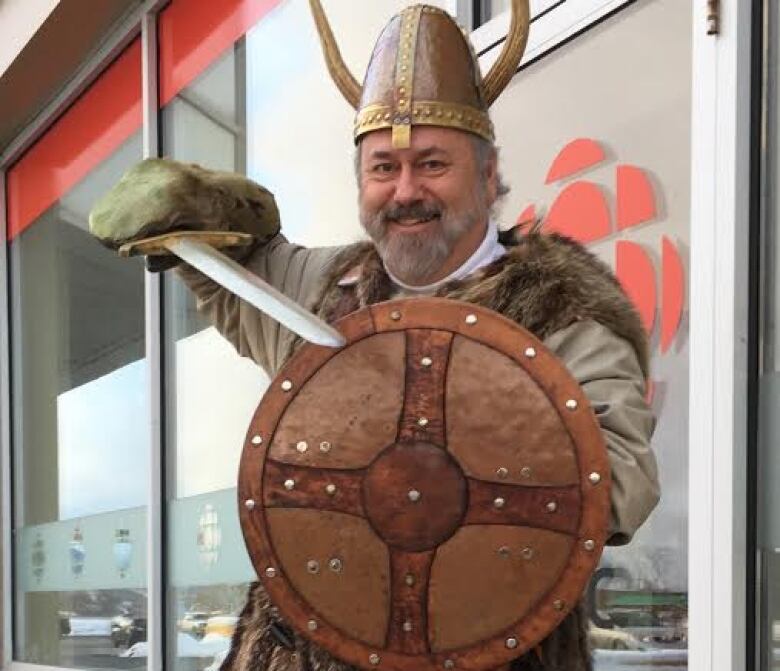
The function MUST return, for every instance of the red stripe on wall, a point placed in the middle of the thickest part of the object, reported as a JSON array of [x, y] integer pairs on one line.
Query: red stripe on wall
[[194, 33], [106, 115]]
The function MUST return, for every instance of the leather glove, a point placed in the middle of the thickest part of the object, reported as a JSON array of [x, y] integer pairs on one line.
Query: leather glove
[[160, 196]]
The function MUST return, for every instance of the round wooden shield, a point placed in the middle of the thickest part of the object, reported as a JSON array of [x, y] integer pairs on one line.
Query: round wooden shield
[[433, 495]]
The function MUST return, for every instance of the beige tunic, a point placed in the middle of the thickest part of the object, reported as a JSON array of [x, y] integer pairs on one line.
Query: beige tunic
[[605, 365]]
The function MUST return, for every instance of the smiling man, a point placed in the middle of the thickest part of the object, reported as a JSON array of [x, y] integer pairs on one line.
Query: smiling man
[[428, 179], [427, 207]]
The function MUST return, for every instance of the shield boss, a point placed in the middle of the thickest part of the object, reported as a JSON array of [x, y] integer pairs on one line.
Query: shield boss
[[433, 495]]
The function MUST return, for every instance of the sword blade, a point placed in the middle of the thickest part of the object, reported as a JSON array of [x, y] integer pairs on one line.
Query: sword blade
[[237, 279]]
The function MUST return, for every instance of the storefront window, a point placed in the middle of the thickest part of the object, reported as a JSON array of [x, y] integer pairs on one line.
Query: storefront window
[[596, 144], [236, 97], [260, 108], [208, 566], [80, 432]]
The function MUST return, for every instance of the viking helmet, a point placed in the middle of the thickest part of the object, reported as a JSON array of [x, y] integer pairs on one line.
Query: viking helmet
[[424, 71]]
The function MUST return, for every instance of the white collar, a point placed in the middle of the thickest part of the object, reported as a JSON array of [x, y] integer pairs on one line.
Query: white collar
[[488, 251]]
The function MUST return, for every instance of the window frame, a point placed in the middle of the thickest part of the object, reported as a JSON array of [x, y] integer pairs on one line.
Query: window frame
[[155, 558], [6, 552], [554, 22], [719, 335]]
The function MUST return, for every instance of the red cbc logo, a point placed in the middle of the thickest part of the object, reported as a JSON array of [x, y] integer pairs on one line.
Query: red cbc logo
[[581, 211]]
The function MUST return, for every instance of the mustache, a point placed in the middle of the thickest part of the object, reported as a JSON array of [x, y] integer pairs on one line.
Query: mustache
[[420, 211]]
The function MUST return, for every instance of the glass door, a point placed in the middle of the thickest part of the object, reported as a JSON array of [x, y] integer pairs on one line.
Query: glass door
[[602, 154]]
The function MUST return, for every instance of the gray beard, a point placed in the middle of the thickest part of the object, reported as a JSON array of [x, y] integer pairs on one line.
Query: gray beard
[[415, 257]]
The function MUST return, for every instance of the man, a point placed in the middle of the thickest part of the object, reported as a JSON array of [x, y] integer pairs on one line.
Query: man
[[428, 179]]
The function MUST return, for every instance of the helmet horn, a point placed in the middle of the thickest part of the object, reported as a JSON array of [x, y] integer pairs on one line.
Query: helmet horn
[[341, 75], [514, 47]]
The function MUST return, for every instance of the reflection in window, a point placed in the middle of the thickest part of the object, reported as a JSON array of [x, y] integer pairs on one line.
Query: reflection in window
[[208, 565], [80, 435]]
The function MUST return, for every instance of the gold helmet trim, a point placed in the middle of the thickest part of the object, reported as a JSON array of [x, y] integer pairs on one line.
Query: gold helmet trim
[[428, 113], [406, 110], [403, 92]]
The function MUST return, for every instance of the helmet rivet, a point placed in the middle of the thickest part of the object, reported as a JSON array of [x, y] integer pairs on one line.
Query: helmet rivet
[[525, 472], [589, 545], [289, 485], [511, 643], [499, 502], [427, 361], [249, 504], [414, 495], [257, 440], [595, 478], [270, 572], [571, 404], [313, 566], [527, 553], [407, 626], [449, 664], [558, 604], [302, 447], [395, 315], [374, 659], [503, 551], [552, 506], [409, 579], [330, 489], [502, 473], [325, 446], [287, 385], [471, 319], [312, 625], [335, 565], [530, 353], [423, 421]]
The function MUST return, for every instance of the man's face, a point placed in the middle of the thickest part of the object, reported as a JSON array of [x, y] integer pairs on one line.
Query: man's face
[[425, 207]]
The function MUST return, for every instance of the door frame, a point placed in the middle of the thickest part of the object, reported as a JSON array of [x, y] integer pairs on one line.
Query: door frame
[[721, 129]]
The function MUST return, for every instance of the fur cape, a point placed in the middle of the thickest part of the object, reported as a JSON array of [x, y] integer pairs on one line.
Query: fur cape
[[545, 283]]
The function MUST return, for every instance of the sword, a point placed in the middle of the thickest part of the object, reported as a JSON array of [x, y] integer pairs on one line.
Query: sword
[[191, 249]]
